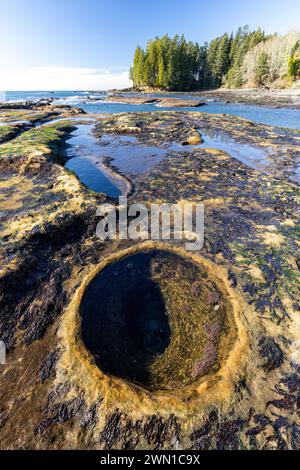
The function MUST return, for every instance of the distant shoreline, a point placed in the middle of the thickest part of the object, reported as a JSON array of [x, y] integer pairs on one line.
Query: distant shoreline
[[274, 98]]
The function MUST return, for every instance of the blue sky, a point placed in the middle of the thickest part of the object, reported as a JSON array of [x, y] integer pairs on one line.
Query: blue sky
[[88, 44]]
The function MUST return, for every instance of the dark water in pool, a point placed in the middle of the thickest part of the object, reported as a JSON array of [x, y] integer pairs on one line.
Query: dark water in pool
[[84, 157], [124, 320]]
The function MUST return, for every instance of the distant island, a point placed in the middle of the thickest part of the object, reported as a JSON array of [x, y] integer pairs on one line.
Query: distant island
[[244, 59]]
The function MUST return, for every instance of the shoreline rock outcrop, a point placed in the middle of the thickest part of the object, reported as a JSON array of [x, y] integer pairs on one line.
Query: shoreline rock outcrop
[[162, 102]]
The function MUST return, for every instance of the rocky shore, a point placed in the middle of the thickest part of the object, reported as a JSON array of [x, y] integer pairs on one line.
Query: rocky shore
[[245, 394], [162, 102], [274, 98], [289, 98]]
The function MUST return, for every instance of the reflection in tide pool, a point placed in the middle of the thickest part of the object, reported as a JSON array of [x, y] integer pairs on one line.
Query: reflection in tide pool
[[254, 157], [84, 158], [129, 156], [258, 158]]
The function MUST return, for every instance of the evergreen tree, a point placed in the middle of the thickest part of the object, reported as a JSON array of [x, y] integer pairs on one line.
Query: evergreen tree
[[137, 71], [212, 62], [294, 62], [262, 69], [221, 65]]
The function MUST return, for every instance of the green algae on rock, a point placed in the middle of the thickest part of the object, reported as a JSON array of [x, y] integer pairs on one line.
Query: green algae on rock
[[9, 132]]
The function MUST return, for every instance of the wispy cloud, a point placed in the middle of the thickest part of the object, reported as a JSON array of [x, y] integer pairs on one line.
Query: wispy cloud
[[54, 77]]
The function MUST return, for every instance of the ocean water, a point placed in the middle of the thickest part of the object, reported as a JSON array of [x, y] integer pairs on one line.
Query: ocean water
[[93, 102]]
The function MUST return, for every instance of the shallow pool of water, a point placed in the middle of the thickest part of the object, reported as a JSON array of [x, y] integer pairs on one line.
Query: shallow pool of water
[[129, 156], [128, 327], [86, 156], [84, 159], [262, 159], [254, 157]]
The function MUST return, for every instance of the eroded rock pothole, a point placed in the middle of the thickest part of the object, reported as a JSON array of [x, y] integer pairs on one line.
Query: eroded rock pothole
[[157, 319]]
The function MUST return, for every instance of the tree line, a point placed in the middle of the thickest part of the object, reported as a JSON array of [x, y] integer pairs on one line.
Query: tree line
[[178, 64]]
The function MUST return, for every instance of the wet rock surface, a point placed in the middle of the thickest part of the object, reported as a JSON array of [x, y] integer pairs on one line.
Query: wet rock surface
[[289, 98], [130, 99], [36, 105], [180, 103], [26, 104], [165, 128], [49, 252]]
